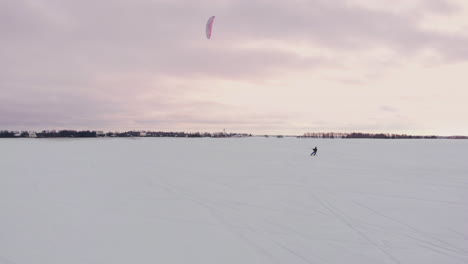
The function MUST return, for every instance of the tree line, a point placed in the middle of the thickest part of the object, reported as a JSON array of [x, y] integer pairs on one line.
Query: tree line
[[88, 133], [369, 135]]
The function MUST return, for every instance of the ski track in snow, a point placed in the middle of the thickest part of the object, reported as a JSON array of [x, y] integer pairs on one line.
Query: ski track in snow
[[251, 200], [6, 261], [333, 210]]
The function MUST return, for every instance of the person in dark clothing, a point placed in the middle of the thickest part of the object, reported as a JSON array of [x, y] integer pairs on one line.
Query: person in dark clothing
[[315, 152]]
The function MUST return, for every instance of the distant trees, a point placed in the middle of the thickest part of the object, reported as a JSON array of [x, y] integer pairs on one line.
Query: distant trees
[[87, 133], [66, 133], [6, 134], [387, 136], [365, 135]]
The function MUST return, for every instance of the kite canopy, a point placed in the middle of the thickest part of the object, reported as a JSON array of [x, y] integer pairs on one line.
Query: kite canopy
[[209, 27]]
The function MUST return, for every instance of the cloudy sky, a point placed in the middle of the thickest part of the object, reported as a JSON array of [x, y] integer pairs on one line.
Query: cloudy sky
[[285, 67]]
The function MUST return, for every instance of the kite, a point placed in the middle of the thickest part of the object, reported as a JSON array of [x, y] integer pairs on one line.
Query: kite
[[209, 27]]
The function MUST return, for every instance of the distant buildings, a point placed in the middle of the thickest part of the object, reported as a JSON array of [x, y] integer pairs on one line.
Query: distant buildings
[[325, 135]]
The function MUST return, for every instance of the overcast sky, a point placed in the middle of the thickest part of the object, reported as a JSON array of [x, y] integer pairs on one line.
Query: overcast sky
[[279, 67]]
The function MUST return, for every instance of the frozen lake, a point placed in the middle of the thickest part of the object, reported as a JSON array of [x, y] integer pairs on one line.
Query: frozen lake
[[236, 200]]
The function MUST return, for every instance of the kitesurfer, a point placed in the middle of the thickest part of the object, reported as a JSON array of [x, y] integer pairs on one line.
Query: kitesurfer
[[315, 152]]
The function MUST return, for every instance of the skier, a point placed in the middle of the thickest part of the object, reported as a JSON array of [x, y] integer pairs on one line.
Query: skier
[[315, 152]]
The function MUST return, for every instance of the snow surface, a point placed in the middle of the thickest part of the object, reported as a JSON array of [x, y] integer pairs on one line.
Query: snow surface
[[236, 200]]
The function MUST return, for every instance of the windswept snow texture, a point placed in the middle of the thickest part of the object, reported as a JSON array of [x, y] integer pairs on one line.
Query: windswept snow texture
[[243, 200]]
